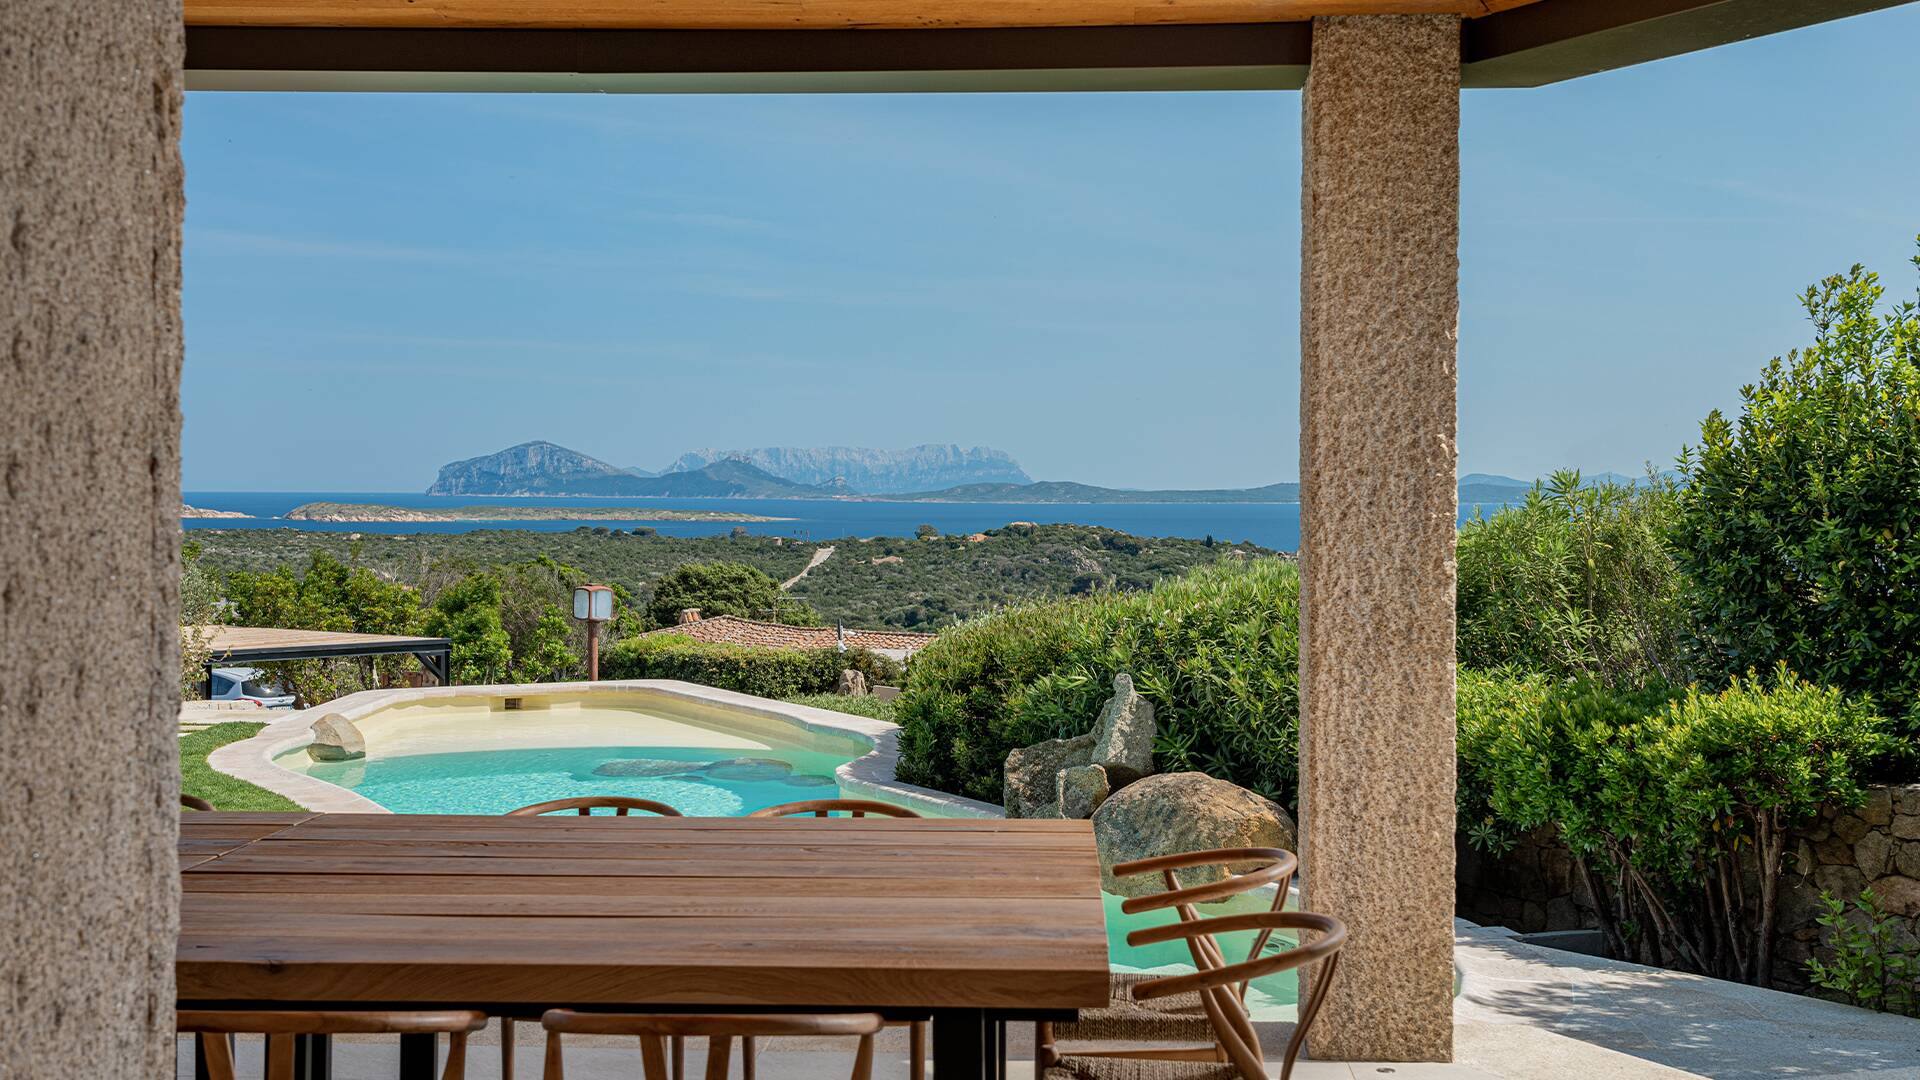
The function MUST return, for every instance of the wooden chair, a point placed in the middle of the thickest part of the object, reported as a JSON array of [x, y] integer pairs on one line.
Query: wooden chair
[[588, 804], [916, 1029], [719, 1030], [829, 807], [1222, 986], [280, 1028], [585, 805], [194, 802]]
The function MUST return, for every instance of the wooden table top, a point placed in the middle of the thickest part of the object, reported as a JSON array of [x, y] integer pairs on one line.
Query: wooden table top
[[566, 910]]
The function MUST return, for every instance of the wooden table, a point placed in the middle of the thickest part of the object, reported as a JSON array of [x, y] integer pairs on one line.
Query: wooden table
[[969, 922]]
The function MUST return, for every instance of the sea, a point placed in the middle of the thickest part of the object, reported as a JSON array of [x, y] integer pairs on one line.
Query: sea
[[1270, 525]]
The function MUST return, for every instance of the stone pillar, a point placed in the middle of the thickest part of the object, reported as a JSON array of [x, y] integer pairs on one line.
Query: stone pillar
[[90, 202], [1378, 316]]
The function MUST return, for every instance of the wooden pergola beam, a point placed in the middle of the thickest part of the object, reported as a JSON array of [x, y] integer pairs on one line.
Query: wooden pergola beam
[[795, 14]]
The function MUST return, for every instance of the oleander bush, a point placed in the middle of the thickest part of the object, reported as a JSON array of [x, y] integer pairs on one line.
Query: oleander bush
[[1216, 652], [771, 673], [1799, 520], [1675, 805], [1580, 581]]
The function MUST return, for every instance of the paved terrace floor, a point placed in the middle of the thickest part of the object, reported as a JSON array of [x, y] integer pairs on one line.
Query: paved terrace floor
[[1524, 1013]]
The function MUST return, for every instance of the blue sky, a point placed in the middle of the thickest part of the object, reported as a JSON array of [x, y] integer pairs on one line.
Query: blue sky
[[1105, 286]]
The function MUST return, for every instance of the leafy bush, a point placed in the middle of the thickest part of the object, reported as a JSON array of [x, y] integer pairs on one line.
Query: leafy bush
[[1799, 523], [724, 588], [330, 595], [867, 705], [1216, 652], [1578, 581], [1669, 804], [771, 673], [1872, 966]]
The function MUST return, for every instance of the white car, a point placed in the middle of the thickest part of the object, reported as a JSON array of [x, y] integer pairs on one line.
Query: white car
[[243, 684]]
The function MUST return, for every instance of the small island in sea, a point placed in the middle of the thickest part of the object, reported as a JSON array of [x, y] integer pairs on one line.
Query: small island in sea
[[332, 511], [199, 512]]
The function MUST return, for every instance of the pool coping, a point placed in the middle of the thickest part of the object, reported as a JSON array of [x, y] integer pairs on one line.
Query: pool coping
[[868, 776]]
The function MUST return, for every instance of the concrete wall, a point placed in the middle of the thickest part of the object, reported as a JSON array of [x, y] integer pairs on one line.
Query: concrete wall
[[1534, 887], [1380, 212], [90, 203]]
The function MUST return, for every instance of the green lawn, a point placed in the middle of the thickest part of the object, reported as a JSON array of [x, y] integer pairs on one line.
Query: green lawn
[[223, 791], [868, 706]]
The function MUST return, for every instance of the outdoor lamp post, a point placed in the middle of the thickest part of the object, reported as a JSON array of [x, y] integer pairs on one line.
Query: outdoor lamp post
[[593, 605]]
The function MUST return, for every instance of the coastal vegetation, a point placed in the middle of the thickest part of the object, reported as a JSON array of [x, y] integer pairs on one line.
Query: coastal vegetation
[[770, 673], [370, 512]]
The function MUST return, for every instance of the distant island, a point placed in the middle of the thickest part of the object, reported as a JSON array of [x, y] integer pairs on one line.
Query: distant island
[[332, 511], [849, 473], [196, 512]]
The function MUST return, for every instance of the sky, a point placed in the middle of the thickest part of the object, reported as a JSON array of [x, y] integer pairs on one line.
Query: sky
[[1105, 286]]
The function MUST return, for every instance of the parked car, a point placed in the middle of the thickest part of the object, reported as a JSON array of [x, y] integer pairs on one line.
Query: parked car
[[246, 684]]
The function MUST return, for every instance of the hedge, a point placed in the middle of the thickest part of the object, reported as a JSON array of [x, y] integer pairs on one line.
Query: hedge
[[763, 672]]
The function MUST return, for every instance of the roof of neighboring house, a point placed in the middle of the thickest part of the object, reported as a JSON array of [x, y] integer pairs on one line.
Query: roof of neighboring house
[[733, 630]]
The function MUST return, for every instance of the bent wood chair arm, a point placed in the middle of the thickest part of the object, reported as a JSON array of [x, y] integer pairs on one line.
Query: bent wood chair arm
[[586, 805], [280, 1027], [194, 802], [719, 1030], [1278, 871], [826, 807]]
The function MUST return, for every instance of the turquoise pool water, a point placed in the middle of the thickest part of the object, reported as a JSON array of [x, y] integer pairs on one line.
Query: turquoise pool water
[[697, 781], [1269, 998]]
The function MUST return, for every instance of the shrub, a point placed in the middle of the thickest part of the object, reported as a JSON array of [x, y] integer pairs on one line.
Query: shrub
[[867, 705], [1215, 652], [1578, 581], [722, 588], [771, 673], [1669, 807], [1873, 966], [1799, 523]]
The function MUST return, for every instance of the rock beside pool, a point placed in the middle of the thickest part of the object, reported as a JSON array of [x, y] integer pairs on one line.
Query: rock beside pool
[[1126, 729], [336, 739], [1032, 783], [749, 769], [649, 767], [1177, 812], [1082, 789]]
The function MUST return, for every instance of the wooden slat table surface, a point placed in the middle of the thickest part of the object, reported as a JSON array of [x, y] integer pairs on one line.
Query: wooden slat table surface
[[882, 913]]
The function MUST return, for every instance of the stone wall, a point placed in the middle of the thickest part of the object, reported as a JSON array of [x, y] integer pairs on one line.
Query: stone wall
[[1535, 888], [90, 202]]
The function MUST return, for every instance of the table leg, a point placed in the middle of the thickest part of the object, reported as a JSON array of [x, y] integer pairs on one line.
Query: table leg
[[419, 1056], [969, 1044], [313, 1057]]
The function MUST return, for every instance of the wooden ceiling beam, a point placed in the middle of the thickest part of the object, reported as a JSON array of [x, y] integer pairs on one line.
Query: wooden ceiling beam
[[793, 14]]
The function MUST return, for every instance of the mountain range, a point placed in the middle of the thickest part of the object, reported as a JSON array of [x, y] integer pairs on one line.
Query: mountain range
[[973, 475]]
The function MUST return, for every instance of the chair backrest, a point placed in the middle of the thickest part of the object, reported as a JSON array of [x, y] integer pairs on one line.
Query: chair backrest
[[586, 805], [719, 1029], [1222, 986], [216, 1052], [1272, 866], [194, 802], [828, 807]]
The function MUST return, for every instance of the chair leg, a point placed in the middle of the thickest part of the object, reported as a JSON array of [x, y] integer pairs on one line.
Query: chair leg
[[653, 1056], [719, 1050], [1044, 1057], [748, 1052], [506, 1048], [456, 1068], [555, 1068], [216, 1055], [279, 1057], [863, 1061], [679, 1058], [917, 1050]]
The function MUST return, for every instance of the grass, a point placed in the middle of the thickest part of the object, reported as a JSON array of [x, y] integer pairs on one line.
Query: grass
[[223, 791], [868, 706]]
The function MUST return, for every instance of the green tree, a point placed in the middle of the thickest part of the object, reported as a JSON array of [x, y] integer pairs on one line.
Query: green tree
[[1800, 519], [548, 656], [721, 588], [927, 532], [330, 595], [1580, 580], [468, 615]]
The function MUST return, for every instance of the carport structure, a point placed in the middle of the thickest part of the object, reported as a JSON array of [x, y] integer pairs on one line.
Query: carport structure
[[90, 203], [248, 645]]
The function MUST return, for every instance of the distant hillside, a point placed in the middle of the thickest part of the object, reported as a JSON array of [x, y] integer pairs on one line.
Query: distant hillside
[[928, 467], [1065, 491], [532, 468]]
